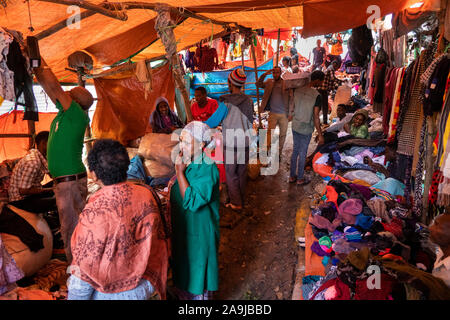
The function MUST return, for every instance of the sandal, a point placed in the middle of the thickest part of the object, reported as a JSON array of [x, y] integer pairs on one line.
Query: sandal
[[233, 207], [292, 180], [303, 182]]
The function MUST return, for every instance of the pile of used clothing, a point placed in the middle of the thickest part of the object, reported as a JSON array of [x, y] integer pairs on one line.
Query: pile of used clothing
[[365, 221], [357, 228]]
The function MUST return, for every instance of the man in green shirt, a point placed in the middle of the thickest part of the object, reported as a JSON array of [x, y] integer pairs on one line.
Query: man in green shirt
[[64, 150]]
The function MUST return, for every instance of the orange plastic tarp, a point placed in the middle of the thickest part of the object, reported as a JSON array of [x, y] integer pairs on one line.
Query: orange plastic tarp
[[122, 111], [12, 148]]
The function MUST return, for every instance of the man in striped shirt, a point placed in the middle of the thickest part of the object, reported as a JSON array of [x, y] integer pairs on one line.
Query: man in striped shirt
[[25, 189]]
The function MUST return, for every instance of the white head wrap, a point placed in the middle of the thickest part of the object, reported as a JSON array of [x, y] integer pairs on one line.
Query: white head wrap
[[201, 132]]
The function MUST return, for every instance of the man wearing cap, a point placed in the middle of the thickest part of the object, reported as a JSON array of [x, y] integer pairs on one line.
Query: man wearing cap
[[276, 100], [64, 151], [235, 113]]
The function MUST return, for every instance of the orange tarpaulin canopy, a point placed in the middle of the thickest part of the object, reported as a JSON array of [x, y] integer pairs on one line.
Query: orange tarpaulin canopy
[[12, 148], [327, 16], [108, 40]]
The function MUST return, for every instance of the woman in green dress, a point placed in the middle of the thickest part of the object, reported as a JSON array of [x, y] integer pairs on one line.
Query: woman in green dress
[[357, 127], [194, 204]]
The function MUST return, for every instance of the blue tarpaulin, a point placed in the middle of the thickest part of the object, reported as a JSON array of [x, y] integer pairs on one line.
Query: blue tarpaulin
[[215, 82]]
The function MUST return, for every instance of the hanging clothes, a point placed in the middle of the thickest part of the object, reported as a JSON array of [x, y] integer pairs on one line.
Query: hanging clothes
[[371, 72], [389, 91], [23, 83], [189, 60], [144, 76], [435, 89], [387, 43], [399, 49], [407, 137], [6, 75], [443, 132], [207, 59], [395, 111]]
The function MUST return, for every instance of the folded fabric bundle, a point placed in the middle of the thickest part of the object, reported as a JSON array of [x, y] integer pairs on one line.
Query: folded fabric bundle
[[315, 247], [392, 186], [342, 246], [323, 223], [378, 207], [349, 209], [337, 235], [365, 175], [363, 292], [352, 234], [395, 227], [363, 190], [323, 159], [364, 221], [384, 195], [325, 242], [328, 210]]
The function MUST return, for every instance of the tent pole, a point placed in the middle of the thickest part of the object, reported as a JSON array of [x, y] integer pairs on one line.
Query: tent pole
[[62, 24], [278, 48], [163, 26], [242, 57], [255, 65], [120, 15], [31, 132]]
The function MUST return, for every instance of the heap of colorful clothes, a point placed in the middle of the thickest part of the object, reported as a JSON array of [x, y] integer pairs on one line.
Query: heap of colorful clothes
[[364, 227]]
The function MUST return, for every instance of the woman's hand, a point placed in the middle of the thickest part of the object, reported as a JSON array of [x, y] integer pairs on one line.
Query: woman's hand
[[180, 165]]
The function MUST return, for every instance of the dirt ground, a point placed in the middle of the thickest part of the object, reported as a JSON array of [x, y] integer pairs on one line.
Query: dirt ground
[[258, 254]]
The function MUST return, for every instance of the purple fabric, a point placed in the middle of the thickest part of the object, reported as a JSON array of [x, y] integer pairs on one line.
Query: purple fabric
[[318, 250], [349, 209], [323, 223], [365, 191], [167, 122]]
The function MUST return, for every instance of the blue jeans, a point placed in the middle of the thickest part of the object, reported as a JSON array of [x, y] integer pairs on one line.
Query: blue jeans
[[81, 290], [301, 143]]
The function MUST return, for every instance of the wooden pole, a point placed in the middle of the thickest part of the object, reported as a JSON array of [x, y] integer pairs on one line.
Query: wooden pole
[[64, 23], [31, 132], [278, 48], [255, 65], [243, 59], [115, 14], [164, 28]]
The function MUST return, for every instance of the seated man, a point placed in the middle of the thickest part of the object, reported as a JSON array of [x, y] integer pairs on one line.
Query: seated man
[[25, 191], [342, 119], [164, 120], [440, 235], [120, 245], [203, 106]]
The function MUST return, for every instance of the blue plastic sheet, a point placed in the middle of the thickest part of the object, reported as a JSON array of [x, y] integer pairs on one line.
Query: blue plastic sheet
[[220, 77]]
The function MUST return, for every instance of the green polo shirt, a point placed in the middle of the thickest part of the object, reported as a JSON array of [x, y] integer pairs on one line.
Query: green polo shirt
[[65, 142]]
